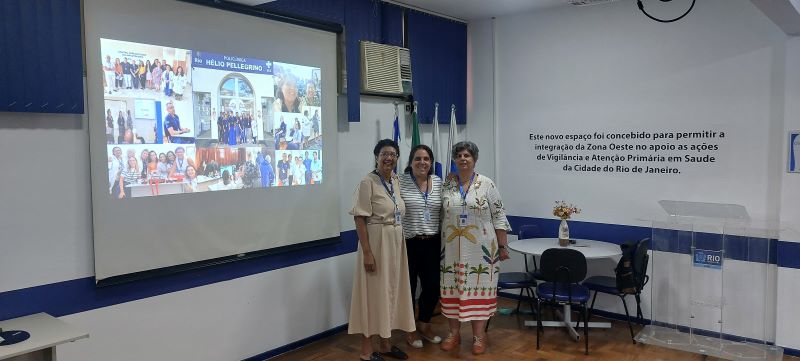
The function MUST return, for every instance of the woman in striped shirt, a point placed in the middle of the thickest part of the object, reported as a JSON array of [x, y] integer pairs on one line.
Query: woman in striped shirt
[[422, 193], [130, 175]]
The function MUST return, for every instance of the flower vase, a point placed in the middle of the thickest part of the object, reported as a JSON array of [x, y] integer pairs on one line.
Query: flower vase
[[563, 234]]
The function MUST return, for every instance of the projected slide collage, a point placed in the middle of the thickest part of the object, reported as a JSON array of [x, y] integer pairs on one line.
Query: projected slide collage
[[186, 121]]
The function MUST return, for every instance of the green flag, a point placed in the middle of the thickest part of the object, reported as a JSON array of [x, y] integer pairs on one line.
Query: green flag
[[415, 128]]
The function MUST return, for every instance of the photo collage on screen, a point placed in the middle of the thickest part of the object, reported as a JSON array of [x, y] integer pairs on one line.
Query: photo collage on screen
[[185, 121]]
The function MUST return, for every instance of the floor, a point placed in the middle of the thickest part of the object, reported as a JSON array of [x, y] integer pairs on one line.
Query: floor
[[508, 340]]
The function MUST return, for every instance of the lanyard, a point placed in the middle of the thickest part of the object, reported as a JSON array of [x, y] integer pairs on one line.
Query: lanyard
[[424, 194], [389, 188], [461, 187]]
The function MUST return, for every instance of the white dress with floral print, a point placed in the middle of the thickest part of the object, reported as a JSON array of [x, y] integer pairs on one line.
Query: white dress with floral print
[[471, 257]]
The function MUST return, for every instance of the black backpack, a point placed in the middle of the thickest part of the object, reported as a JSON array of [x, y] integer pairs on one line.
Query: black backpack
[[626, 279]]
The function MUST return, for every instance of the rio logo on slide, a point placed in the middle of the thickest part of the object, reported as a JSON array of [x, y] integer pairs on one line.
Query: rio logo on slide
[[707, 258]]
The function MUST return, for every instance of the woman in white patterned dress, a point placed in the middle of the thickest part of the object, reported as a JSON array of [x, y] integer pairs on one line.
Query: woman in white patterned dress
[[474, 227]]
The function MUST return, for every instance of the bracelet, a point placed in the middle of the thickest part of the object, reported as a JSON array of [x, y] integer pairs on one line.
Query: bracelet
[[501, 246]]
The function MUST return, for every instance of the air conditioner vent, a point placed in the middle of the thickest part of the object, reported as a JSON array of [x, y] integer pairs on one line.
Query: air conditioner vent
[[385, 69]]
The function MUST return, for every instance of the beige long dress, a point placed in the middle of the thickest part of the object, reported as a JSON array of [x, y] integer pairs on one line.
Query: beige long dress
[[381, 300]]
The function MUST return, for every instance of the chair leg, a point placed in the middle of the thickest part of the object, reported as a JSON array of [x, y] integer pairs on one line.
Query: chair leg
[[529, 292], [539, 327], [519, 300], [639, 315], [589, 316], [586, 328], [627, 317]]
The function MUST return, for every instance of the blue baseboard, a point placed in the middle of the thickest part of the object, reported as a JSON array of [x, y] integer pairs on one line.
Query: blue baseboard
[[80, 295], [297, 344]]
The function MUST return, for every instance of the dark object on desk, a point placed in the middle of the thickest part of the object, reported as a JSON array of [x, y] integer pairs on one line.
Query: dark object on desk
[[13, 337], [563, 268], [638, 258], [571, 241]]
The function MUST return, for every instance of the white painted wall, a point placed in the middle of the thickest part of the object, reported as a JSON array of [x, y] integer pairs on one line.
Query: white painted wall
[[557, 70], [45, 214], [230, 320], [789, 278], [609, 68]]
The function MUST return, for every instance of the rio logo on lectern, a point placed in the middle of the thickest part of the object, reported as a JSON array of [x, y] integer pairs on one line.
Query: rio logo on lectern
[[707, 258]]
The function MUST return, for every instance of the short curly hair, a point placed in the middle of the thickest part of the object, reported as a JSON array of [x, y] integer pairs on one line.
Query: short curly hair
[[384, 143], [470, 147]]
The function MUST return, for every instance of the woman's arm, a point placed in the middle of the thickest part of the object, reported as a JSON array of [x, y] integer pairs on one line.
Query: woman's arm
[[363, 240], [121, 186], [502, 243], [172, 170], [499, 220]]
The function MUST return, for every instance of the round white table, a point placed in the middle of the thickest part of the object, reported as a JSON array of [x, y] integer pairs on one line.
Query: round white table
[[590, 249]]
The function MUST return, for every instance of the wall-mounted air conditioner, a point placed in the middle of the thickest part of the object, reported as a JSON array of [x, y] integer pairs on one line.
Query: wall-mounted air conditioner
[[385, 69]]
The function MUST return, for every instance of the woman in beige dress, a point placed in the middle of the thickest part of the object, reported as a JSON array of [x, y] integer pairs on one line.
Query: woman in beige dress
[[381, 300]]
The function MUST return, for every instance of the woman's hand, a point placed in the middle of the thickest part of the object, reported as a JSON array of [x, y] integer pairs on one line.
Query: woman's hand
[[121, 195], [369, 262], [504, 254]]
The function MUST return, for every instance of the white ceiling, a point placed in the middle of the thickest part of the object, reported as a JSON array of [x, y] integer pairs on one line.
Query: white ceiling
[[481, 9], [464, 9], [785, 13]]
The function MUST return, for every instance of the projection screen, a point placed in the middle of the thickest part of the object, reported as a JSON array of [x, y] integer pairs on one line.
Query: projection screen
[[206, 134]]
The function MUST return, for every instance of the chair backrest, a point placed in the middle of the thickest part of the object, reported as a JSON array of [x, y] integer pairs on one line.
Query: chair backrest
[[563, 265], [528, 231], [640, 261]]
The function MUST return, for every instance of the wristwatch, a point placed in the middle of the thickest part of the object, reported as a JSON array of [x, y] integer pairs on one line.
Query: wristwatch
[[501, 246]]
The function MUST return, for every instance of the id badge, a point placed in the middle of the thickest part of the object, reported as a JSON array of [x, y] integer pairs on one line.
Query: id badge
[[426, 215], [398, 217], [462, 220]]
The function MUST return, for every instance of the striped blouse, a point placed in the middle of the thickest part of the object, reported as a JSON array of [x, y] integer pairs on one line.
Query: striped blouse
[[130, 176], [414, 223]]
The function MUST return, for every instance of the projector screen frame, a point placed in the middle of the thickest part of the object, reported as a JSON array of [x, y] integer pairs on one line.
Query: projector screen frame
[[271, 15], [282, 245], [199, 265]]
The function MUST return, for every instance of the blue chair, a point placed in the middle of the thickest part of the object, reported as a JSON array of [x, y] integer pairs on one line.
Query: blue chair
[[563, 269], [526, 232], [524, 281], [608, 285]]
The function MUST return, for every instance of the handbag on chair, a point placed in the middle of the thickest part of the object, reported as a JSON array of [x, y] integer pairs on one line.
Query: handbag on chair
[[626, 281]]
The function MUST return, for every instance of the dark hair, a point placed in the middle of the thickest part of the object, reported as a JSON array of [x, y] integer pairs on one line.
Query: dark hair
[[384, 143], [414, 151], [226, 177], [187, 171], [470, 147]]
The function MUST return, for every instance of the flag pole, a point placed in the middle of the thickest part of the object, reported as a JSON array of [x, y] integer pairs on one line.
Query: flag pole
[[437, 155]]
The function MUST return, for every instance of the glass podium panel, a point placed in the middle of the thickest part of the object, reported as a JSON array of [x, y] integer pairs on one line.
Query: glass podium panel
[[710, 277]]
